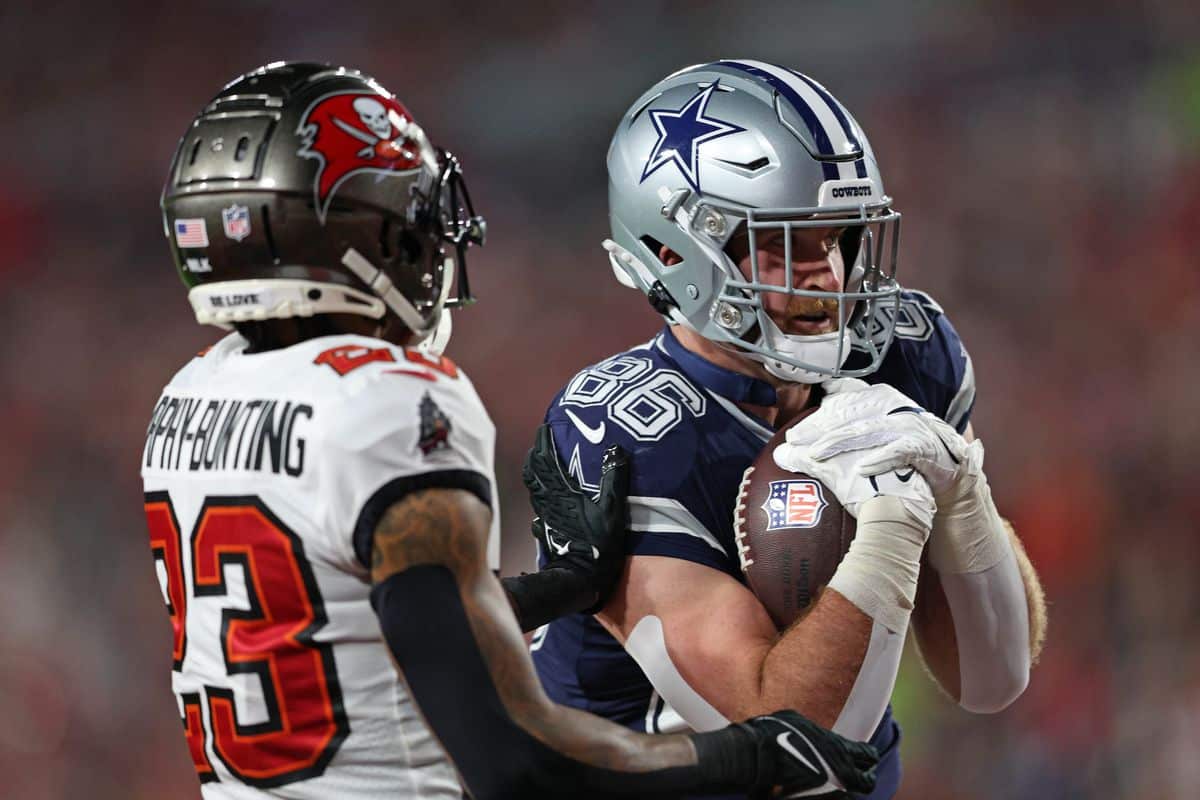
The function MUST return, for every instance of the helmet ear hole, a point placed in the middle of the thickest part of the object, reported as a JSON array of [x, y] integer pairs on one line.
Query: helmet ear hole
[[655, 247]]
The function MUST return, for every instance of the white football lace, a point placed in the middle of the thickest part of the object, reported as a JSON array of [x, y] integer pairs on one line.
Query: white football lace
[[739, 532]]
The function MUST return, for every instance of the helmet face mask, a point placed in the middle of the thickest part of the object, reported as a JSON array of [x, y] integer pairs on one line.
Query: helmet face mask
[[868, 283], [751, 173], [304, 189]]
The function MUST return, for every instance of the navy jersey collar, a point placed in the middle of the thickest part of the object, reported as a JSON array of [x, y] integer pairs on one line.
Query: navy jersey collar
[[737, 387]]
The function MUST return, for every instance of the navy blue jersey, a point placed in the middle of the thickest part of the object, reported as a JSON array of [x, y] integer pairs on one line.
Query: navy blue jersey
[[689, 443]]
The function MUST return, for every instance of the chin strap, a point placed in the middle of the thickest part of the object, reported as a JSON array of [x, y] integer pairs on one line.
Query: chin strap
[[435, 343], [383, 287], [631, 272]]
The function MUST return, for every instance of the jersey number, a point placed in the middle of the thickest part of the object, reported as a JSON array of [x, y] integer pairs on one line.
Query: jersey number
[[272, 640], [347, 358], [647, 408]]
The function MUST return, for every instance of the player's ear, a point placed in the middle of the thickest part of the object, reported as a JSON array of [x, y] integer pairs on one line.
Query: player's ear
[[668, 256]]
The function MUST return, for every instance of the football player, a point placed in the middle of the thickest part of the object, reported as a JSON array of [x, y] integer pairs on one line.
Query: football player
[[320, 494], [747, 206]]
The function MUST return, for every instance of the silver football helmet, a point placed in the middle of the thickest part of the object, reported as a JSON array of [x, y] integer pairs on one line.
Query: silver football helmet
[[744, 148]]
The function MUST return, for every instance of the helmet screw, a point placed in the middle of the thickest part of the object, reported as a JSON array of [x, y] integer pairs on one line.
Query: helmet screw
[[427, 280], [714, 224], [692, 291], [728, 316], [314, 294], [217, 144]]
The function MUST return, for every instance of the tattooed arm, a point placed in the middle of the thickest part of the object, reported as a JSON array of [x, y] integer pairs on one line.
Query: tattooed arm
[[447, 622], [449, 527]]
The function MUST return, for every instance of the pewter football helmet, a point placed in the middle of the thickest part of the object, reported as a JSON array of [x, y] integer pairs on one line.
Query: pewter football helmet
[[719, 147], [306, 189]]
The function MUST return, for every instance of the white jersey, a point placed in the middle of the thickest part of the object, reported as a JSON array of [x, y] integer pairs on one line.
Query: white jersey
[[264, 475]]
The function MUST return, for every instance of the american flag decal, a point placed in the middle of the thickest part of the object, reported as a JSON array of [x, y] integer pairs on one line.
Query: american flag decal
[[794, 504], [191, 233]]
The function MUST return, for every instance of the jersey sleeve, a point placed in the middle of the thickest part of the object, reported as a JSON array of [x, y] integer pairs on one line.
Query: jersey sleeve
[[398, 431], [669, 512], [929, 362]]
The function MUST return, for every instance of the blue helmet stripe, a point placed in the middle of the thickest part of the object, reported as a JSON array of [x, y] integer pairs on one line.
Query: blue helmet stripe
[[834, 106], [806, 112], [860, 168]]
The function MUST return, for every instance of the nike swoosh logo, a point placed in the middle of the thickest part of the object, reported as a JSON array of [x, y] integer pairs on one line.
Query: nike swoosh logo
[[557, 548], [906, 410], [783, 741], [907, 476], [593, 435]]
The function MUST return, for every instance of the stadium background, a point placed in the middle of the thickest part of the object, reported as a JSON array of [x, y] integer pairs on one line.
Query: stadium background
[[1046, 156]]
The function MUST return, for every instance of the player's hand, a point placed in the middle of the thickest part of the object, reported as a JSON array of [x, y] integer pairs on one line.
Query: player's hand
[[805, 760], [846, 403], [842, 475], [574, 531], [833, 443], [907, 438]]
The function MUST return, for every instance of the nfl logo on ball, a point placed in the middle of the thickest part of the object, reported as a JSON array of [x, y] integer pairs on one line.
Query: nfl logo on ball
[[236, 221], [794, 504]]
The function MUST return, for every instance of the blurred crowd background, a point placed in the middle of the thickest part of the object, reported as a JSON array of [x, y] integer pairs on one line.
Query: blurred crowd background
[[1046, 156]]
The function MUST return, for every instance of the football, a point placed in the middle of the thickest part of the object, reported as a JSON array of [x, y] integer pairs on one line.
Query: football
[[791, 535]]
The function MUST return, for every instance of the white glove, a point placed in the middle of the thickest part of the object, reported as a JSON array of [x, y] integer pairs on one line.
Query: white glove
[[968, 535], [906, 439], [844, 478], [882, 433], [848, 405], [848, 401]]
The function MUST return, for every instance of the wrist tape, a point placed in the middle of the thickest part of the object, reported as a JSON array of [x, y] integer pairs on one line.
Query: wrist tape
[[968, 533], [879, 572]]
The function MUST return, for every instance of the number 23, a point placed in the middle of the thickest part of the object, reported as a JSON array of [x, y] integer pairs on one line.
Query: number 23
[[306, 722]]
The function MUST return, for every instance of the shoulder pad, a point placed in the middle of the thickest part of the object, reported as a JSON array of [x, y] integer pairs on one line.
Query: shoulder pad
[[927, 359]]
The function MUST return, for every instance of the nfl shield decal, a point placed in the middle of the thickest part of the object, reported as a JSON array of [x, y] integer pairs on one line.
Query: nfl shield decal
[[794, 504], [236, 221]]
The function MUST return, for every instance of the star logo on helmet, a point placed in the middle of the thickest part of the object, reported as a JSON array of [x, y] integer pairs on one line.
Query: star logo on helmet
[[680, 134]]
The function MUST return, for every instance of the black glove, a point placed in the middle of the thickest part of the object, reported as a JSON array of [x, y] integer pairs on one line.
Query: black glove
[[577, 533], [806, 760]]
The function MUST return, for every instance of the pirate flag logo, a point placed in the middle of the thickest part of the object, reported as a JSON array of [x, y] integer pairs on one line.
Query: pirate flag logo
[[357, 132], [435, 427]]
